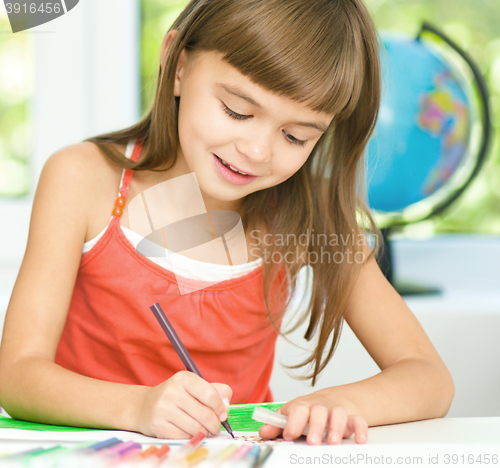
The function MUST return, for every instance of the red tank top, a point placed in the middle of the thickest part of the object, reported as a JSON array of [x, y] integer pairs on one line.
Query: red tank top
[[111, 333]]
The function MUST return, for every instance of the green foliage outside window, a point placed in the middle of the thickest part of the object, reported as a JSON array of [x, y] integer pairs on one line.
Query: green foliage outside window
[[15, 91]]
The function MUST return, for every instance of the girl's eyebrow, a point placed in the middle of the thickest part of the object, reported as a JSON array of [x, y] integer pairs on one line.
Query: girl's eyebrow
[[238, 92], [235, 91]]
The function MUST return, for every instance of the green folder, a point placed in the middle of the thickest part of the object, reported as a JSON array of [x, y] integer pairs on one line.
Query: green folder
[[240, 416], [240, 419], [10, 423]]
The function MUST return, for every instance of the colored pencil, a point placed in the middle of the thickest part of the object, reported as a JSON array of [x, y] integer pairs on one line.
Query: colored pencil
[[251, 459], [237, 456], [266, 452], [189, 447], [194, 457], [162, 451], [105, 444], [149, 451], [218, 458], [180, 348]]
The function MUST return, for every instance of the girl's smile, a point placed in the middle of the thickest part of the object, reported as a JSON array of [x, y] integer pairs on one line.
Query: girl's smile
[[232, 174], [228, 125]]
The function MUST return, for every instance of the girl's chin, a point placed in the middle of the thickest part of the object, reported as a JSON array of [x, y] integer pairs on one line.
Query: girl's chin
[[214, 191]]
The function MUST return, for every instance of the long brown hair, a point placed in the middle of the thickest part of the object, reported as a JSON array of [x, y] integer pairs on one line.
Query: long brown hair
[[320, 52]]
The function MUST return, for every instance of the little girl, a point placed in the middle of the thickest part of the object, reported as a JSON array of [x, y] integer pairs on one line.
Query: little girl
[[269, 104]]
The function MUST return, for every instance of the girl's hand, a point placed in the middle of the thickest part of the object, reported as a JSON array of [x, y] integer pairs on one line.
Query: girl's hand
[[322, 417], [182, 406]]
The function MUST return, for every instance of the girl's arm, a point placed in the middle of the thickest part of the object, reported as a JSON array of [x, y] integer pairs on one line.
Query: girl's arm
[[32, 386], [413, 384]]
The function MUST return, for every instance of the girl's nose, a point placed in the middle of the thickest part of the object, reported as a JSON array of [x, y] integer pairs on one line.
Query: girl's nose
[[256, 146]]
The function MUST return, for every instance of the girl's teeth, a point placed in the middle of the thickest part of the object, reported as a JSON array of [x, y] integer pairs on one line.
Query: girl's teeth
[[232, 168], [236, 170]]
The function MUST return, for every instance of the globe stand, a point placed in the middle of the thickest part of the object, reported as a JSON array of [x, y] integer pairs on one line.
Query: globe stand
[[385, 261]]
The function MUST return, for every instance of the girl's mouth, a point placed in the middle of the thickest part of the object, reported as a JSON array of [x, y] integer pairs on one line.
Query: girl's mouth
[[230, 173], [231, 167]]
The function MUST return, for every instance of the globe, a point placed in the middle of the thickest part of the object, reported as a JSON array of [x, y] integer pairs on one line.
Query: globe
[[422, 154]]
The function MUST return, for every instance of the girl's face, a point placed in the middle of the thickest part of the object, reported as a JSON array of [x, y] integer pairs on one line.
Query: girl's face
[[224, 115]]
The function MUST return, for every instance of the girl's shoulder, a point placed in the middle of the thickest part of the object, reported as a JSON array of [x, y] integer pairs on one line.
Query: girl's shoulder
[[87, 160], [87, 155], [87, 165], [88, 173]]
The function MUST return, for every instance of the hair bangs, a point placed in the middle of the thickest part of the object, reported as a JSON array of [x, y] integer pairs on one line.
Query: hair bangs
[[266, 40]]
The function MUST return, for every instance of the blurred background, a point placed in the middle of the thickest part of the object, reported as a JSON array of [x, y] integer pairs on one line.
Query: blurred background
[[93, 70], [472, 25]]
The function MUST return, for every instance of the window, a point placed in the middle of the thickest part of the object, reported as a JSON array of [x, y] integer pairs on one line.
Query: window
[[78, 89], [156, 18], [16, 88]]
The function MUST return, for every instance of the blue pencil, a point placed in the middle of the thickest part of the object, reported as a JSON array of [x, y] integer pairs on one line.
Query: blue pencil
[[252, 457], [263, 457], [105, 444]]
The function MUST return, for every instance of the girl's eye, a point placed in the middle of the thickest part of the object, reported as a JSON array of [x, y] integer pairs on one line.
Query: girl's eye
[[294, 140], [233, 114], [290, 138]]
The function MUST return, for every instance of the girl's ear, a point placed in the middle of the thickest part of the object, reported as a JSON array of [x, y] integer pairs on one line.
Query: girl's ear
[[167, 40], [179, 72]]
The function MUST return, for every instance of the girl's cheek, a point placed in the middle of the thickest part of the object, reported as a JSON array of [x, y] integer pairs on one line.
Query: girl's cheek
[[222, 125]]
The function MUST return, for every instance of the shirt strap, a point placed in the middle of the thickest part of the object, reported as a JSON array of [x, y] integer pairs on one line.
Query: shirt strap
[[127, 173]]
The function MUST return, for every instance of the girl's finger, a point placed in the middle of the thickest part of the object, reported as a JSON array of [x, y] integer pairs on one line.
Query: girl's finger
[[269, 432], [298, 417], [358, 426], [171, 431], [179, 425], [204, 392], [317, 423], [225, 392], [338, 421], [202, 414]]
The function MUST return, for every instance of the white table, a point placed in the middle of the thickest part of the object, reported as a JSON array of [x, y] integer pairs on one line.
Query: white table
[[410, 444]]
